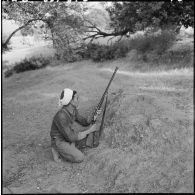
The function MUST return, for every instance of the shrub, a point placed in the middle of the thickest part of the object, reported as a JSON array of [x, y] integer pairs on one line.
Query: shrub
[[174, 58], [100, 53], [149, 47], [153, 42], [8, 73], [120, 49], [32, 63], [69, 55], [182, 55], [164, 41], [144, 44]]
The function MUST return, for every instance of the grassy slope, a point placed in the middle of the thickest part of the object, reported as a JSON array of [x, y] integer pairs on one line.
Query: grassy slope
[[148, 138]]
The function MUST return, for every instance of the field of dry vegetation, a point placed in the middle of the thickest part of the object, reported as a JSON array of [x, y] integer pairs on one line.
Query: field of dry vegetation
[[148, 138], [147, 145]]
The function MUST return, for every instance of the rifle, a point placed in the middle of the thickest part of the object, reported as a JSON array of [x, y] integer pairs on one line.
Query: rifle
[[103, 96], [96, 135], [92, 140]]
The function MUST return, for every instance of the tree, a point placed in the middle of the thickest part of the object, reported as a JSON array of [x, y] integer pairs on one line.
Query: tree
[[63, 20], [23, 14], [66, 24], [129, 17]]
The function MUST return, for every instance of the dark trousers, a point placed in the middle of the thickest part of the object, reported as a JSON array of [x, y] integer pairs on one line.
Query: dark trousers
[[67, 151]]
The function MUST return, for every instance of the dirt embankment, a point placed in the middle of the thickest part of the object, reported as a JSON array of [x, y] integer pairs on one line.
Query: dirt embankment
[[147, 145]]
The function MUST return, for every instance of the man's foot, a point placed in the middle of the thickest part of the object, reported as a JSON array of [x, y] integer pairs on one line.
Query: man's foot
[[56, 156]]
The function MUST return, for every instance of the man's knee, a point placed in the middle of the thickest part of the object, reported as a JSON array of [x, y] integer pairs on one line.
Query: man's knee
[[78, 158], [69, 152], [74, 157]]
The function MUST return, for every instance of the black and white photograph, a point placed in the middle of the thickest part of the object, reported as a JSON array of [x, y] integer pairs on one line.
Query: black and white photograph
[[97, 97]]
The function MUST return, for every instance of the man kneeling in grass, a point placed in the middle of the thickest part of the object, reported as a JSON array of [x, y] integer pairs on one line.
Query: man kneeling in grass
[[63, 137]]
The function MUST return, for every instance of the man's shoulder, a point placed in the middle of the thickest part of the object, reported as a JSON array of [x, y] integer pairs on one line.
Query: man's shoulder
[[61, 114]]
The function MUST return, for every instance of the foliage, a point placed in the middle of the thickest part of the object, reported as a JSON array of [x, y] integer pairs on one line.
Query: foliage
[[27, 64], [69, 24], [154, 48], [158, 50], [70, 55], [8, 73], [158, 42], [128, 17], [143, 44], [180, 57], [99, 53], [28, 30], [62, 20]]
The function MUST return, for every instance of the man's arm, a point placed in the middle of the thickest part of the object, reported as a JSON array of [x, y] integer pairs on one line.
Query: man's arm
[[83, 134], [69, 134], [81, 120]]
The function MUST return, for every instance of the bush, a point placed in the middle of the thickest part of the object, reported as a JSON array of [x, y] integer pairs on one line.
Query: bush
[[153, 42], [149, 47], [32, 63], [143, 44], [120, 49], [69, 55], [175, 58], [99, 53], [182, 55], [8, 73]]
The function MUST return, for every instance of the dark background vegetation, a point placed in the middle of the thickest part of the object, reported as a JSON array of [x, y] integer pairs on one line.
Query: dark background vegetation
[[69, 27]]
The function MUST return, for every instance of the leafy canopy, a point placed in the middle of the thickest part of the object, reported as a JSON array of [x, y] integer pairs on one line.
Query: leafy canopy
[[132, 16], [62, 20]]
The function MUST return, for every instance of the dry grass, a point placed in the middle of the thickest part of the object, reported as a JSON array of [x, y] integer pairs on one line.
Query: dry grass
[[148, 137], [174, 72]]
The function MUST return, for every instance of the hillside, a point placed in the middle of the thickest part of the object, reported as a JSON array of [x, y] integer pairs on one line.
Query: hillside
[[147, 144]]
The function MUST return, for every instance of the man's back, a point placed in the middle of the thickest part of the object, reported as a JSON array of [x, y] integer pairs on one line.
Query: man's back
[[61, 126]]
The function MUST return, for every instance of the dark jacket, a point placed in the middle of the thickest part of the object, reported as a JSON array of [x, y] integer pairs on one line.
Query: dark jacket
[[63, 120]]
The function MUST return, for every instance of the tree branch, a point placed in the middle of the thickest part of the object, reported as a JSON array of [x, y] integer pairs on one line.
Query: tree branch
[[104, 34], [99, 33], [110, 40], [21, 27], [120, 38]]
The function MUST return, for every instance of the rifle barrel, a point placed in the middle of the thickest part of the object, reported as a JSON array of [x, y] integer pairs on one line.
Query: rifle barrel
[[102, 98], [107, 86]]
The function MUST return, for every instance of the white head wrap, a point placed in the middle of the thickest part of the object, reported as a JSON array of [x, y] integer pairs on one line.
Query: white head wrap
[[67, 97]]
